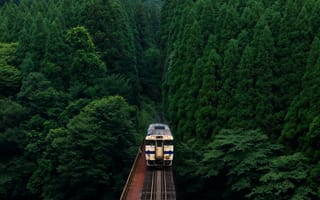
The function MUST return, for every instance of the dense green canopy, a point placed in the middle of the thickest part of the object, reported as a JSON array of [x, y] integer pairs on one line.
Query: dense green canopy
[[71, 97], [243, 65], [237, 81]]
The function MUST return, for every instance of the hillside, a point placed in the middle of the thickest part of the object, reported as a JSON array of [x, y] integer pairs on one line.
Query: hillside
[[79, 82], [241, 92], [237, 82]]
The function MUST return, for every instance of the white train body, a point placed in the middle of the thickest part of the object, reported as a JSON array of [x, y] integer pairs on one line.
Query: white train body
[[159, 145]]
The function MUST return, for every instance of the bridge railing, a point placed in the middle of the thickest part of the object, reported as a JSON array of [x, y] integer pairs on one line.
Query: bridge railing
[[131, 174]]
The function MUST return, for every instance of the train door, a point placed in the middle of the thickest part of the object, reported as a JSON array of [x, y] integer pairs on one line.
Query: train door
[[159, 150]]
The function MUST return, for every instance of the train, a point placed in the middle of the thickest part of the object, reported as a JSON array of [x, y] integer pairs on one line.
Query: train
[[159, 146]]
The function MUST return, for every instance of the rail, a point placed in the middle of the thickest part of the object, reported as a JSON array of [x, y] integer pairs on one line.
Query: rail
[[159, 185], [148, 183], [131, 174]]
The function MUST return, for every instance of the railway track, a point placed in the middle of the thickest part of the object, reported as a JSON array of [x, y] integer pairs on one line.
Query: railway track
[[158, 185]]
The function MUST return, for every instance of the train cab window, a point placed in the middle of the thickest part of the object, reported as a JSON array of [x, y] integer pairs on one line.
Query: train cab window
[[149, 142], [159, 143], [160, 127], [168, 142]]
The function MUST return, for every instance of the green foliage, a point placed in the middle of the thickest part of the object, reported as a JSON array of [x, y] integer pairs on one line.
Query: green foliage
[[110, 28], [227, 103], [312, 139], [177, 86], [83, 160], [79, 39], [86, 68], [206, 110], [10, 80], [36, 92], [238, 155], [305, 108], [286, 179], [11, 114], [56, 59], [7, 51], [187, 160], [225, 64], [150, 74], [72, 109], [252, 73], [13, 180], [228, 24], [14, 167], [53, 73], [148, 113], [10, 77]]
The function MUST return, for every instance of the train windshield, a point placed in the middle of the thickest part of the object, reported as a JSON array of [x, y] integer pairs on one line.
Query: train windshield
[[149, 142], [160, 127], [168, 142], [159, 143]]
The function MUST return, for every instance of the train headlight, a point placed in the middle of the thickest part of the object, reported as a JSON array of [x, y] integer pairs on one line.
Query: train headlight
[[167, 157]]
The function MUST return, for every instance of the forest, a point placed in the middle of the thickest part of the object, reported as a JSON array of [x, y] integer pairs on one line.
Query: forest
[[241, 92], [238, 81], [77, 91]]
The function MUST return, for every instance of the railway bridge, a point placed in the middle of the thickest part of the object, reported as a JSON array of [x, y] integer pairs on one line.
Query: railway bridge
[[148, 183]]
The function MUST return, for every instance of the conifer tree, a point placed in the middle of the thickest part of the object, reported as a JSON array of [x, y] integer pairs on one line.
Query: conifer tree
[[314, 18], [305, 107], [245, 91], [293, 45], [86, 69], [56, 57], [171, 56], [142, 26], [4, 32], [227, 101], [12, 21], [32, 44], [208, 17], [181, 100], [251, 14], [263, 76], [110, 28], [273, 17], [10, 76], [228, 23], [206, 121]]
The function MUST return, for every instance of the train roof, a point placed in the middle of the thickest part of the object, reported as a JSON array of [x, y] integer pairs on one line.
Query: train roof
[[159, 129]]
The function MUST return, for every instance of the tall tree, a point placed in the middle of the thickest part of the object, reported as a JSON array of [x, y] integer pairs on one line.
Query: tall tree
[[228, 23], [305, 107], [245, 91], [293, 44], [285, 179], [10, 77], [264, 63], [83, 160], [56, 58], [239, 156], [206, 122], [109, 25], [227, 102], [86, 69]]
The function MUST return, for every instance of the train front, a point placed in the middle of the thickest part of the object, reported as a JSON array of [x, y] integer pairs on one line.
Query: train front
[[159, 145]]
